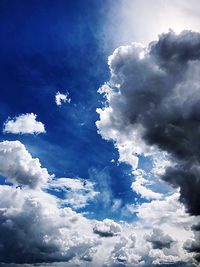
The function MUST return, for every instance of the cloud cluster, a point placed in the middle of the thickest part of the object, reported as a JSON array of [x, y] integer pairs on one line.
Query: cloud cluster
[[39, 231], [34, 230], [152, 104], [24, 124]]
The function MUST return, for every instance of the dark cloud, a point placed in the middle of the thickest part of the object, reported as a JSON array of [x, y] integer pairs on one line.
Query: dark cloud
[[153, 104], [172, 49], [158, 89]]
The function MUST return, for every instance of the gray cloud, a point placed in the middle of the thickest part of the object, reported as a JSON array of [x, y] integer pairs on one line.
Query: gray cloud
[[159, 240], [152, 105], [154, 93]]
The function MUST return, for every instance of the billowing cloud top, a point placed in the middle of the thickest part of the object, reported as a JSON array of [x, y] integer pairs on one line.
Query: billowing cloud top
[[18, 166], [24, 124]]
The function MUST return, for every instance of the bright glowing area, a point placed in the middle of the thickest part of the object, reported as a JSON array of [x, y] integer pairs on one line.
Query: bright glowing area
[[142, 21]]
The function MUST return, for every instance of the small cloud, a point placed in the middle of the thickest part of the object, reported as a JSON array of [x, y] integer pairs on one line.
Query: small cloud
[[59, 98], [107, 228], [24, 124]]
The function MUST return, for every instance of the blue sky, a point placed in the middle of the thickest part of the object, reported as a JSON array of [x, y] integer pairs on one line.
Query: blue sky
[[52, 47], [108, 176]]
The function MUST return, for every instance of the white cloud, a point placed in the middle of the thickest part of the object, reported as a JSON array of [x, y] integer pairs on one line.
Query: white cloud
[[62, 98], [24, 124], [77, 192], [18, 166], [107, 228], [140, 186]]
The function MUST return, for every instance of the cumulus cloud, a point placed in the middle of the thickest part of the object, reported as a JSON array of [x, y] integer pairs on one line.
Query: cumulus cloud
[[152, 100], [106, 228], [33, 229], [18, 166], [40, 232], [123, 253], [33, 226], [62, 98], [24, 124]]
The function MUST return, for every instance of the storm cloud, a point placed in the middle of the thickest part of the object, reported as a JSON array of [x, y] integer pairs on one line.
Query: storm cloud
[[153, 99]]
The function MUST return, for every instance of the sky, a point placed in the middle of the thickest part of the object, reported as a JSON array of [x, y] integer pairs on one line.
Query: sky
[[99, 140]]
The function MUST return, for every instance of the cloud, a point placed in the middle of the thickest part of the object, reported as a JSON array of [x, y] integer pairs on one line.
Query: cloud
[[123, 253], [18, 166], [73, 191], [140, 186], [107, 228], [152, 105], [62, 98], [24, 124], [159, 240], [36, 230], [193, 244], [32, 224]]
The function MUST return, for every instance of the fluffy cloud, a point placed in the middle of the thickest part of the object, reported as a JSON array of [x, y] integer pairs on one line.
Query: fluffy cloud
[[107, 228], [33, 229], [38, 230], [152, 104], [62, 98], [24, 124], [74, 192], [18, 166]]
